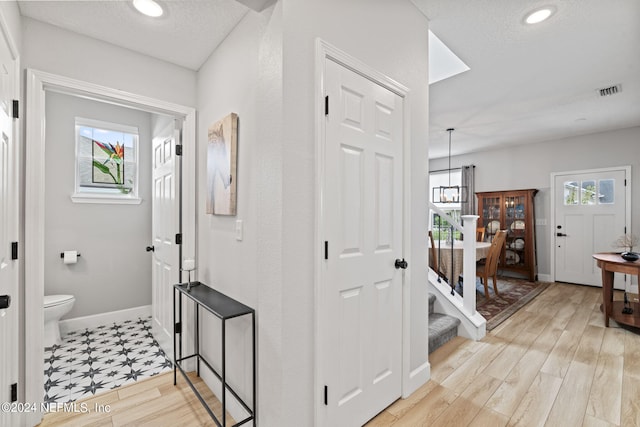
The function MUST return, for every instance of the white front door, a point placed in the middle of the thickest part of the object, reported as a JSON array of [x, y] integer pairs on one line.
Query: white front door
[[8, 234], [165, 226], [361, 313], [590, 215]]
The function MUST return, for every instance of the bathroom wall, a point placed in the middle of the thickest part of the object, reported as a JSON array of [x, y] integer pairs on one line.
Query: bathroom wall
[[114, 271]]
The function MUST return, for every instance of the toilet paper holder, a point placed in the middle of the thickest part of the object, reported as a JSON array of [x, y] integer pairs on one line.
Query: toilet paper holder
[[62, 254]]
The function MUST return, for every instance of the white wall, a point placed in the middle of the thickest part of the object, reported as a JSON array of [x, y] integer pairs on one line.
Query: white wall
[[265, 72], [10, 13], [530, 166], [244, 75], [54, 50], [390, 36], [114, 271], [228, 82]]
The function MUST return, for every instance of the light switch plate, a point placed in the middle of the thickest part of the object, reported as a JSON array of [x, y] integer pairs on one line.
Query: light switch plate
[[239, 230]]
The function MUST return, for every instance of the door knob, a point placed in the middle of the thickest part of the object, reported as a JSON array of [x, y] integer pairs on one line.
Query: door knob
[[401, 263], [151, 249]]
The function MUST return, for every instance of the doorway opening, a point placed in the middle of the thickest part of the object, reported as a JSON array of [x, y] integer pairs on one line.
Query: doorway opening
[[99, 203], [40, 86]]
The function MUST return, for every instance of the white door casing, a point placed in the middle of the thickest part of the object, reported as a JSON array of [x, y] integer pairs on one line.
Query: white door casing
[[165, 226], [9, 186], [37, 84], [590, 214], [362, 222]]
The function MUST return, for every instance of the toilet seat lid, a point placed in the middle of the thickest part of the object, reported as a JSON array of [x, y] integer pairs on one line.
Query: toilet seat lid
[[52, 300]]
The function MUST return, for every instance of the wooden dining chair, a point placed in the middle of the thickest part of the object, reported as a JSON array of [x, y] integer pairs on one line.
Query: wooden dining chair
[[433, 257], [480, 234], [490, 268]]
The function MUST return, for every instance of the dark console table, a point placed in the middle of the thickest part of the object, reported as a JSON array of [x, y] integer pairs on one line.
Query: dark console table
[[224, 308]]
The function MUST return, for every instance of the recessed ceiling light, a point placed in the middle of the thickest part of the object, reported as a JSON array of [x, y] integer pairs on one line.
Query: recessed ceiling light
[[148, 7], [539, 15]]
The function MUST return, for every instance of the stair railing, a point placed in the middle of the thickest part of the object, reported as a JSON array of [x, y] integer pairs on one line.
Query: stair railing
[[467, 228]]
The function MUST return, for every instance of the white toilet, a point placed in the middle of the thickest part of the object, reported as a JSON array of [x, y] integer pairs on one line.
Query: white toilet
[[55, 306]]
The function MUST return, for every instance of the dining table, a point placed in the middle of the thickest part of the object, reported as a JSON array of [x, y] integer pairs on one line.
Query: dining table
[[445, 254]]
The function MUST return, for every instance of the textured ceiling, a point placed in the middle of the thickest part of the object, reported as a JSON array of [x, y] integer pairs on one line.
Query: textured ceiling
[[533, 83], [526, 83], [185, 35]]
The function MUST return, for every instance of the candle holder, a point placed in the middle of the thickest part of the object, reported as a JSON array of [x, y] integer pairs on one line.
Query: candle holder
[[188, 265]]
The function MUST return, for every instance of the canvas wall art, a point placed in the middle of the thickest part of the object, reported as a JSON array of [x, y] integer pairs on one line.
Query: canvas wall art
[[222, 148]]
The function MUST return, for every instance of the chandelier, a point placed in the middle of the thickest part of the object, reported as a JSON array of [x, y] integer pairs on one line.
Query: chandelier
[[450, 193]]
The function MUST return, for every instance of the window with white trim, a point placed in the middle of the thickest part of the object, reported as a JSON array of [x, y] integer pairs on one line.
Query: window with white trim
[[106, 162], [444, 179]]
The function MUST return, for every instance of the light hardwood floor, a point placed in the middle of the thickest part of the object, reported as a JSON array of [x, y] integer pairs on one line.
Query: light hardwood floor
[[154, 402], [553, 363]]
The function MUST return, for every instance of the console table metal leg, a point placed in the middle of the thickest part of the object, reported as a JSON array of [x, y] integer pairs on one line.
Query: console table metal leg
[[173, 316], [180, 323], [253, 341], [224, 374], [197, 343]]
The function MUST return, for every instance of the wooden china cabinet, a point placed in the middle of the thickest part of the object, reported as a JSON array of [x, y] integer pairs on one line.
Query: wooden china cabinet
[[511, 211]]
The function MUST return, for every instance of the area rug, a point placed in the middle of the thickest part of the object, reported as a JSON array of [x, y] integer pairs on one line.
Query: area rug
[[514, 294]]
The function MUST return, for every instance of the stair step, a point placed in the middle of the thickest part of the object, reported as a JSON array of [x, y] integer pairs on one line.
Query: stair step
[[442, 328], [432, 300]]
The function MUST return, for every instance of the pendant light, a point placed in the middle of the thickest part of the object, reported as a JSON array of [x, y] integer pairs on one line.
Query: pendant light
[[450, 193]]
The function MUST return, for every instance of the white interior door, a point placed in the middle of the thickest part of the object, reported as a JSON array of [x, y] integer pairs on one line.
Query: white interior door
[[590, 215], [361, 319], [166, 254], [8, 234]]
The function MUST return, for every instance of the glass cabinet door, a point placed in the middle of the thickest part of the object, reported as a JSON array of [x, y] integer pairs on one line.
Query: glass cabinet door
[[515, 225], [490, 216]]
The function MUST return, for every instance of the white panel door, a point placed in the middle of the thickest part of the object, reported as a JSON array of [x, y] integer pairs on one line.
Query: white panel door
[[590, 215], [8, 234], [362, 211], [166, 258]]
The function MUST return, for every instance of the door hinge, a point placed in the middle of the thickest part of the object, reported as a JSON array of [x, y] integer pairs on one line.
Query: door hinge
[[14, 250], [326, 395], [326, 105], [326, 249], [625, 182], [179, 239], [16, 109], [178, 149], [625, 229], [177, 328], [14, 392]]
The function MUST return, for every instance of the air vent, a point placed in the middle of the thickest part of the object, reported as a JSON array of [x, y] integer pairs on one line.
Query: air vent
[[611, 90]]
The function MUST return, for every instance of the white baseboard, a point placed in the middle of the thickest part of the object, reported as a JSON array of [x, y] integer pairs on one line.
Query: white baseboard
[[417, 378], [100, 319], [545, 278]]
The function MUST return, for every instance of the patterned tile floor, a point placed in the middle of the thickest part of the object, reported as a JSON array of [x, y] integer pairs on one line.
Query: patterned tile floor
[[91, 361]]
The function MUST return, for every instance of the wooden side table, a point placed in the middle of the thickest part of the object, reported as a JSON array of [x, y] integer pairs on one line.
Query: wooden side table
[[611, 263]]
